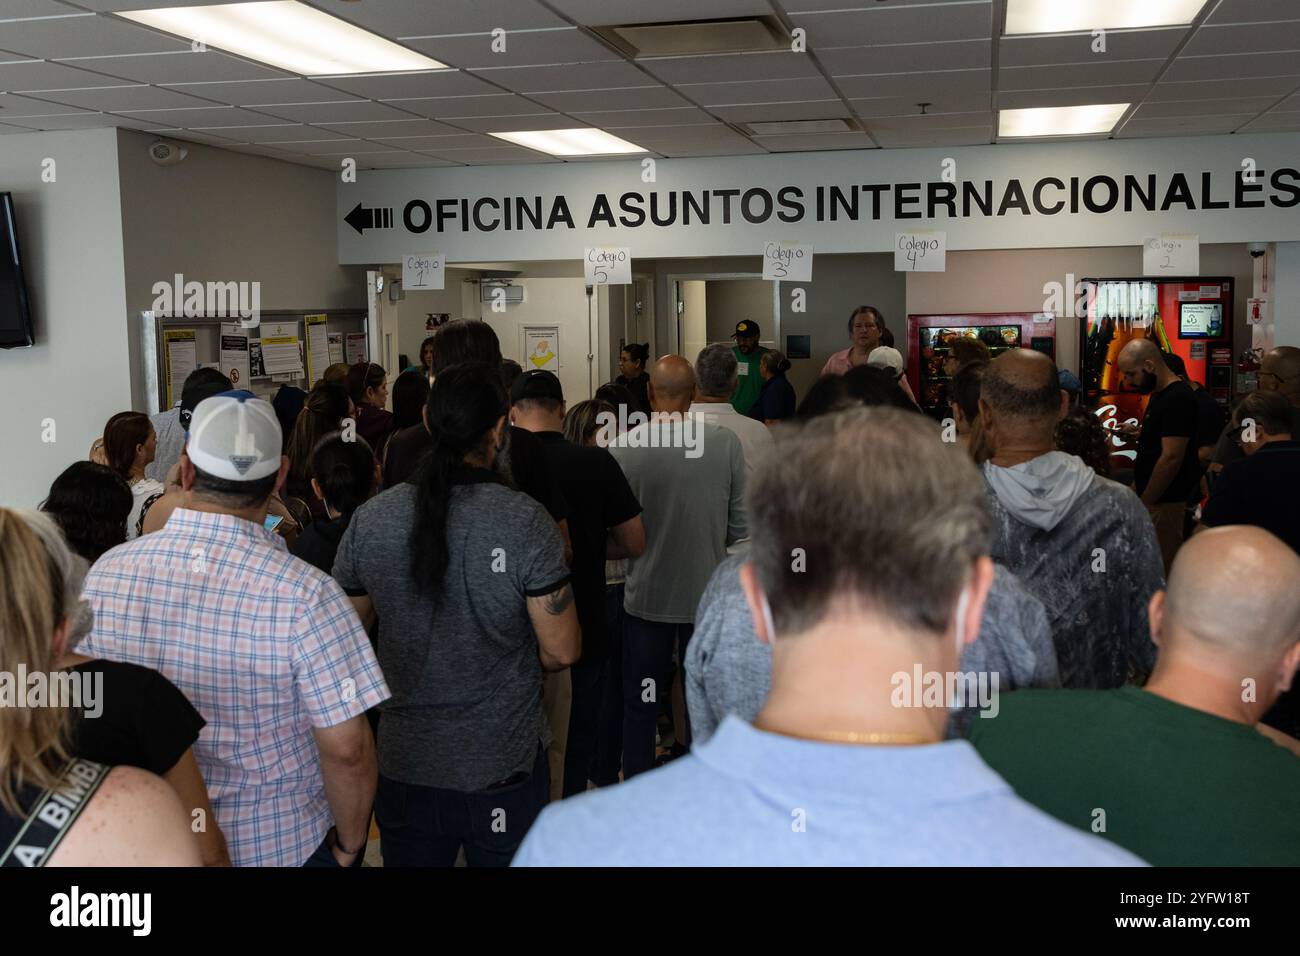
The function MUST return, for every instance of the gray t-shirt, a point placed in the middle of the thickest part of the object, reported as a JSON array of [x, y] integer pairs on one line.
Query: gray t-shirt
[[729, 671], [466, 710], [171, 442], [693, 501]]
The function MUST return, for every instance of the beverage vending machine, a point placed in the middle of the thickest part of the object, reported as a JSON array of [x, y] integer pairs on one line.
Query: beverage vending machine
[[1189, 317]]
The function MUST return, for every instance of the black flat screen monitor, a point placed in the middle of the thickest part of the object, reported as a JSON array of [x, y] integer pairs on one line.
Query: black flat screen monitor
[[15, 311]]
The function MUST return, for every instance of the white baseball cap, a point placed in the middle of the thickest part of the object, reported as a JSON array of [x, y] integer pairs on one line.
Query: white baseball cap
[[235, 436], [886, 356]]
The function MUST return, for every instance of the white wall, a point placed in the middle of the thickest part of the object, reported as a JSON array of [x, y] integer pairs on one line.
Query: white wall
[[561, 302], [413, 310], [1286, 295], [694, 320], [230, 217], [77, 374]]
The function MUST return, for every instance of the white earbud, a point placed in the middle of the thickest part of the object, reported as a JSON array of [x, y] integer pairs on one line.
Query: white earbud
[[767, 619], [962, 603]]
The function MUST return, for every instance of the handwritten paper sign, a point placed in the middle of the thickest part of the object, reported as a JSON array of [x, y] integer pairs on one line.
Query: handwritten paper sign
[[791, 261], [423, 270], [920, 251], [607, 265], [1171, 254]]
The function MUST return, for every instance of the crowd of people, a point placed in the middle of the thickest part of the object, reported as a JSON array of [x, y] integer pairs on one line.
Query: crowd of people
[[827, 631]]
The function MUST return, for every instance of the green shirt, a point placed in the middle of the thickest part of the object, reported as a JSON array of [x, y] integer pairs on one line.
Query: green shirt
[[1179, 786], [751, 380]]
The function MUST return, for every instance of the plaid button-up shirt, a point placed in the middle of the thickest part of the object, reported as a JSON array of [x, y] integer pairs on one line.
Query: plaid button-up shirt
[[265, 646]]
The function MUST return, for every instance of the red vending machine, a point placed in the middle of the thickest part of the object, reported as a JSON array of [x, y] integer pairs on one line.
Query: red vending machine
[[929, 337], [1190, 317]]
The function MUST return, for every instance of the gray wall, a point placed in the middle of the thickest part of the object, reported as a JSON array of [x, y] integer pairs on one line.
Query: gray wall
[[727, 301], [77, 375]]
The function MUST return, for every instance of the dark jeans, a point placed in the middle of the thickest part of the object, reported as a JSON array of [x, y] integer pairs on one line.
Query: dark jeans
[[323, 857], [647, 656], [427, 826], [609, 723], [585, 678]]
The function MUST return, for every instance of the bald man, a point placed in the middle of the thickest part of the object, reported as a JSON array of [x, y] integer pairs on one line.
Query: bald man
[[1081, 544], [690, 479], [1167, 468], [1177, 772], [1279, 372]]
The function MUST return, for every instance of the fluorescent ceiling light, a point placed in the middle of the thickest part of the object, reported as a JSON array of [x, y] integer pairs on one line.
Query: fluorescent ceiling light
[[571, 142], [287, 34], [1060, 120], [1070, 16]]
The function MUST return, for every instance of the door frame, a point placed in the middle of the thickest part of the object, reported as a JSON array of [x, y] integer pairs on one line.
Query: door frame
[[675, 277]]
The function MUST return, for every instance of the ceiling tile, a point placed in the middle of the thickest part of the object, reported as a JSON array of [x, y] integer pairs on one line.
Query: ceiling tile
[[398, 161], [9, 128], [789, 144], [568, 76], [208, 139], [1233, 67], [334, 147], [1069, 75], [77, 121], [905, 57], [205, 118], [1082, 96], [113, 6], [740, 146], [335, 112], [449, 107], [391, 86], [1249, 105], [1247, 38], [1077, 47], [760, 91], [731, 67], [776, 112], [953, 102], [610, 119], [1185, 125], [629, 98], [977, 136], [37, 75], [91, 35], [292, 133], [1252, 11], [490, 157], [897, 23], [1273, 123], [1290, 104], [22, 9], [921, 87], [604, 12], [930, 123], [13, 105], [432, 144], [522, 48], [182, 67], [122, 98], [385, 129], [412, 18], [258, 92], [1214, 89], [510, 124]]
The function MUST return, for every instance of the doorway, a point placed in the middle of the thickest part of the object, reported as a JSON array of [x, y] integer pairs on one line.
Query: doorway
[[709, 306]]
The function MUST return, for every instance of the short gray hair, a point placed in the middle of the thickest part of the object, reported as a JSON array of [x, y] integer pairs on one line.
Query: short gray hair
[[715, 370], [879, 512]]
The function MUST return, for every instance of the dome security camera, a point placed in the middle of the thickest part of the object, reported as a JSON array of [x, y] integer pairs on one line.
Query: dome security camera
[[167, 154], [1257, 249]]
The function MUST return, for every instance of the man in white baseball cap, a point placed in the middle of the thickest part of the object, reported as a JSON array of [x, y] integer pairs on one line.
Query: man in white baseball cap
[[266, 647], [888, 357]]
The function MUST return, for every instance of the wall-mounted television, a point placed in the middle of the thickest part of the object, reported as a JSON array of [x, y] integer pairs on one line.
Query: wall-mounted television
[[15, 308], [1200, 320]]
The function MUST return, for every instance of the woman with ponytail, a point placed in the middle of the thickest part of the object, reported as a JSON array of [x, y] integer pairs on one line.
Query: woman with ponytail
[[344, 474], [776, 401], [472, 593]]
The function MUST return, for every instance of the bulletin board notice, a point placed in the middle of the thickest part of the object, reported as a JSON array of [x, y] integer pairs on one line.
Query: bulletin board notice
[[181, 355]]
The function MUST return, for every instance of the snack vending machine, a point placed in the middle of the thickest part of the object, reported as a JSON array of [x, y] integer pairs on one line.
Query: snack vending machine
[[929, 338], [1189, 317]]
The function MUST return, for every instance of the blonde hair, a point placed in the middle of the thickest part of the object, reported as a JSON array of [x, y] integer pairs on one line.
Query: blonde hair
[[33, 740]]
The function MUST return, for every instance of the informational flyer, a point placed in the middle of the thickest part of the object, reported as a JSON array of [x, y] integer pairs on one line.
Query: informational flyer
[[355, 348], [233, 354], [541, 347], [318, 351], [256, 368], [182, 359], [335, 347], [280, 352]]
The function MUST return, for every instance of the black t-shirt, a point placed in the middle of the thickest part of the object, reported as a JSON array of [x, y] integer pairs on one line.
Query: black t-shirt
[[531, 473], [640, 393], [146, 721], [1210, 418], [599, 498], [1263, 490], [318, 544], [403, 454], [1171, 413]]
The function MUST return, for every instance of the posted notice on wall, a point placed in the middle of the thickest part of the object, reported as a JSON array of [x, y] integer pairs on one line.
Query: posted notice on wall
[[924, 251], [1171, 254], [541, 347], [607, 265], [423, 270], [335, 340], [280, 352], [182, 359], [791, 261], [233, 354], [355, 347], [318, 350]]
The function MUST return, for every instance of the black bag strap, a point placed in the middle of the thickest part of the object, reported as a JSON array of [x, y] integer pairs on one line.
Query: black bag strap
[[54, 814]]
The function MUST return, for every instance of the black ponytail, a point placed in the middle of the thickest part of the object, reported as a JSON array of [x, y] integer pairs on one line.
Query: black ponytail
[[640, 354], [345, 471], [465, 403]]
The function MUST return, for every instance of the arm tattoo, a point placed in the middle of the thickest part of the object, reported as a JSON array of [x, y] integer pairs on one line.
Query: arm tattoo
[[558, 601]]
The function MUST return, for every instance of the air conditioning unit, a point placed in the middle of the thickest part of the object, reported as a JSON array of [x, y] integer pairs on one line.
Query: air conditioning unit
[[514, 294]]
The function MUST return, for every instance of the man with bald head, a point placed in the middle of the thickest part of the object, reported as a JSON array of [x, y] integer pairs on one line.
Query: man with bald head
[[1080, 543], [1279, 372], [1177, 772], [1167, 468], [690, 479]]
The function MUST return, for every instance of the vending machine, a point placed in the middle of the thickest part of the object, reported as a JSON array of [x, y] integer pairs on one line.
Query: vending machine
[[929, 337], [1189, 317]]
